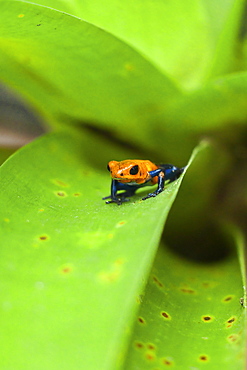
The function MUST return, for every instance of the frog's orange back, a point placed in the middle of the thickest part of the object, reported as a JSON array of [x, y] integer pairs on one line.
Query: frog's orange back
[[132, 171]]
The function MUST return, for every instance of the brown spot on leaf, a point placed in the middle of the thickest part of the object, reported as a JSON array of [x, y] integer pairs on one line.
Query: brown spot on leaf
[[230, 322], [139, 345], [203, 358], [233, 338], [165, 315], [166, 362], [188, 291], [228, 298], [43, 237], [66, 270], [151, 347], [207, 318], [141, 320], [150, 356], [156, 280], [61, 194]]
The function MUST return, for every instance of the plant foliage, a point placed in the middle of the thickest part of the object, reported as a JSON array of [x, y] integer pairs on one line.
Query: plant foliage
[[87, 285]]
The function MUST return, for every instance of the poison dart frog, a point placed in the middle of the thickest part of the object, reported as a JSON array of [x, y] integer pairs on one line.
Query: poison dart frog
[[132, 174]]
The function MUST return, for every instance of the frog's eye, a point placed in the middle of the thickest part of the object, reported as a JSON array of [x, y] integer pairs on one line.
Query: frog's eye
[[134, 170], [108, 167]]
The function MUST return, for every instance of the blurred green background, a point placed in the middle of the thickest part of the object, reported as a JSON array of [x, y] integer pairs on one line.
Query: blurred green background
[[104, 80]]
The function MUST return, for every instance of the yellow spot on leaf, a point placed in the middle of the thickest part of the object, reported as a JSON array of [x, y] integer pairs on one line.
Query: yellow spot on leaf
[[114, 272], [66, 269], [121, 223], [109, 277], [59, 183], [94, 239], [129, 67], [119, 262]]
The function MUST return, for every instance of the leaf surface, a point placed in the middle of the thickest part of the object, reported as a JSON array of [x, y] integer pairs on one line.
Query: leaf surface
[[72, 267], [71, 70], [193, 314], [189, 41]]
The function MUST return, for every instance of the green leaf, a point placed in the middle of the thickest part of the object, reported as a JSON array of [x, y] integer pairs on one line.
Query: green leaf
[[225, 101], [105, 83], [217, 110], [71, 70], [189, 40], [192, 314], [225, 22], [72, 267]]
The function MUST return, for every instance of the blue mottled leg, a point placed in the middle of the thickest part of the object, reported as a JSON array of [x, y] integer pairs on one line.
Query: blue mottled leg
[[160, 188], [119, 199]]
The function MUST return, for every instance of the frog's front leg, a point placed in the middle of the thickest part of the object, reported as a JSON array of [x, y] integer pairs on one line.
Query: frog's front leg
[[119, 199], [161, 183]]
